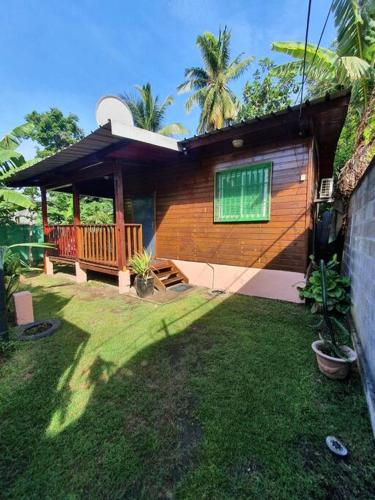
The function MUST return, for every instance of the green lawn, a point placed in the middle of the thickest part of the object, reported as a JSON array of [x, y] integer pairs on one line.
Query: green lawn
[[201, 398]]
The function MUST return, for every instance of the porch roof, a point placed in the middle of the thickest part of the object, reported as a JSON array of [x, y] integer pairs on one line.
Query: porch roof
[[321, 118]]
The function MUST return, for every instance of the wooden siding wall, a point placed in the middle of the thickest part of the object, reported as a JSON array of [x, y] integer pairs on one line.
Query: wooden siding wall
[[184, 212]]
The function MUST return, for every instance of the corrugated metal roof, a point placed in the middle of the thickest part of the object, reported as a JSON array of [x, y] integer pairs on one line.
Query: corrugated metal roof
[[102, 138], [257, 119], [96, 141]]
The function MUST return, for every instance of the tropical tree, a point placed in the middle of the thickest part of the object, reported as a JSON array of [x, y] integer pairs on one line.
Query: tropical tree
[[148, 113], [210, 84], [53, 131], [350, 63], [267, 93]]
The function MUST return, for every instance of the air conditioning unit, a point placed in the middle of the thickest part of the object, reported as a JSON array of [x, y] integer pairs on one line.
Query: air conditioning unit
[[326, 188]]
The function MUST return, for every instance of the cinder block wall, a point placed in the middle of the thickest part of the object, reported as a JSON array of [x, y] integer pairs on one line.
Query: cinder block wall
[[359, 264]]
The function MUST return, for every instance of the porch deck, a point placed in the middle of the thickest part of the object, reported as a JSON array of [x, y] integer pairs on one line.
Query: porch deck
[[94, 246]]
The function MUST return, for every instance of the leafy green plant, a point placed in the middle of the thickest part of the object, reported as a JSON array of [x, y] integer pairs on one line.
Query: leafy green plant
[[332, 330], [141, 263], [338, 297]]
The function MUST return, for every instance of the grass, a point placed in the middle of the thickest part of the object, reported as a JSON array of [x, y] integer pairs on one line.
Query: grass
[[201, 398]]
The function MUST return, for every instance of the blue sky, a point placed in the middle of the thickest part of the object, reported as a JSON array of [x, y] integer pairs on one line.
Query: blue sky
[[70, 53]]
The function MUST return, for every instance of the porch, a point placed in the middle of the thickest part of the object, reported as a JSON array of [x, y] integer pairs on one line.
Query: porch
[[95, 247]]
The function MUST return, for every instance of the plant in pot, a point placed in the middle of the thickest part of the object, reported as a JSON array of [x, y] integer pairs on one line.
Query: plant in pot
[[329, 292], [140, 263]]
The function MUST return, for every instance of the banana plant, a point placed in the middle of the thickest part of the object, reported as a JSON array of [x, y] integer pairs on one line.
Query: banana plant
[[351, 63], [11, 161]]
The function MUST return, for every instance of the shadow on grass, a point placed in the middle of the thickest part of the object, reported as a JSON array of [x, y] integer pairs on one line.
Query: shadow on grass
[[229, 406]]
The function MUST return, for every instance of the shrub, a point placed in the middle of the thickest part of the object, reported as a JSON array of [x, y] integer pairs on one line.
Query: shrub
[[338, 297]]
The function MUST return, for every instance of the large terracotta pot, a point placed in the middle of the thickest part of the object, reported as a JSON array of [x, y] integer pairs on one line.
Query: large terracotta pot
[[335, 368], [144, 286]]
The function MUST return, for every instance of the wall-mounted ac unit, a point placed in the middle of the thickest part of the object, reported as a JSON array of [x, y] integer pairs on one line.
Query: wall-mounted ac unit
[[326, 188]]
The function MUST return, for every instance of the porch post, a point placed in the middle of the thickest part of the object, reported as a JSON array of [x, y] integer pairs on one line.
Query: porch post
[[76, 207], [81, 274], [48, 265], [120, 219], [123, 273]]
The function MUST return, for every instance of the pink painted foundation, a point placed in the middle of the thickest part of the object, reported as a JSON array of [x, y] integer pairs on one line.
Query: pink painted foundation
[[281, 285]]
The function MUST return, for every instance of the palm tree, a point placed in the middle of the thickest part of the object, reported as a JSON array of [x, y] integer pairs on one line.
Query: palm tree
[[351, 64], [149, 114], [210, 84]]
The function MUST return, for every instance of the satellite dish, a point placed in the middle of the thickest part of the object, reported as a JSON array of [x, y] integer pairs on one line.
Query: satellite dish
[[113, 108]]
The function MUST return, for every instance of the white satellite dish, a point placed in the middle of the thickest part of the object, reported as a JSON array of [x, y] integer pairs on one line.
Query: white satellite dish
[[113, 108]]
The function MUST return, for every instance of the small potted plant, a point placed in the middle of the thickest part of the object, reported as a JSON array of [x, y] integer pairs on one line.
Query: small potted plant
[[328, 291], [140, 263]]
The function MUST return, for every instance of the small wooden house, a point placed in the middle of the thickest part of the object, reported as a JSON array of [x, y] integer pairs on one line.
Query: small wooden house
[[231, 209]]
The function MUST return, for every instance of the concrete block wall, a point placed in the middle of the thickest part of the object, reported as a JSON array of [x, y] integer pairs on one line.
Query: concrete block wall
[[359, 264]]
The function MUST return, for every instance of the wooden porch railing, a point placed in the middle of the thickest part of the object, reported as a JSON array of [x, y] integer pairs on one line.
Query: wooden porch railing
[[94, 243], [64, 239], [97, 243]]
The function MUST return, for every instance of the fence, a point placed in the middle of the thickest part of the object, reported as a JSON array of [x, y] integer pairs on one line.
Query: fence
[[359, 264], [23, 233]]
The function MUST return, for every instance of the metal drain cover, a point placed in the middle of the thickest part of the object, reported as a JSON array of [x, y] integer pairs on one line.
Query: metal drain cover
[[180, 287], [217, 291], [336, 446]]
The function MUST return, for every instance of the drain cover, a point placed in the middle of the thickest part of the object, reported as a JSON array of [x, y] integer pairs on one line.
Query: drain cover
[[336, 446], [180, 287]]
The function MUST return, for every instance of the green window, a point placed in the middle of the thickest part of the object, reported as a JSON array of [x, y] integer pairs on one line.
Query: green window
[[243, 194]]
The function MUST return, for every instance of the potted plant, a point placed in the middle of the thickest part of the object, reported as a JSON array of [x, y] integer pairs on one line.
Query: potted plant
[[140, 263], [328, 291]]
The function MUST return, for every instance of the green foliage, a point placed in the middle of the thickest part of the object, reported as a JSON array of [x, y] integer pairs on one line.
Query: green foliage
[[338, 297], [141, 263], [60, 208], [210, 84], [267, 93], [53, 131], [96, 210], [13, 266], [11, 161], [148, 113], [93, 210], [347, 140], [351, 61], [332, 345]]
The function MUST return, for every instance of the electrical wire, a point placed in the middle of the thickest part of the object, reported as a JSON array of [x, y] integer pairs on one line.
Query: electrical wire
[[317, 47], [304, 55]]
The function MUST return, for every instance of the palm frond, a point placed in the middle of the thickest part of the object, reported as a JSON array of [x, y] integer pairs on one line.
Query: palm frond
[[173, 129], [352, 68], [196, 99], [210, 51], [237, 68]]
